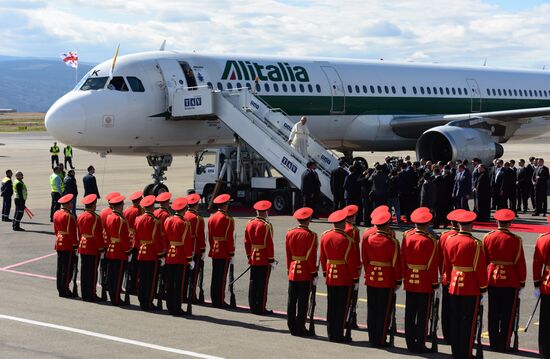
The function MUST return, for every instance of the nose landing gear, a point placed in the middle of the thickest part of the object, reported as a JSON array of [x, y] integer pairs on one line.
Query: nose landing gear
[[160, 164]]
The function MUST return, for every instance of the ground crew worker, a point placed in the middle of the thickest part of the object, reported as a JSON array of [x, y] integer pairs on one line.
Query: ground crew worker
[[466, 271], [57, 187], [68, 154], [130, 214], [118, 249], [507, 272], [420, 258], [6, 192], [445, 311], [150, 254], [258, 244], [179, 255], [105, 212], [340, 262], [221, 227], [383, 275], [541, 281], [91, 247], [54, 152], [353, 232], [301, 264], [66, 243], [20, 198], [196, 227]]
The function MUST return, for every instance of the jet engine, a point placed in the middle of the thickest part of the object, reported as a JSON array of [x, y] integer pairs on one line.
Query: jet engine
[[449, 143]]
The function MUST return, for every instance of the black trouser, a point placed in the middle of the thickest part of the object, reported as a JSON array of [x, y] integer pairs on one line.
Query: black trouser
[[544, 326], [512, 199], [463, 324], [417, 314], [257, 288], [70, 161], [175, 275], [54, 206], [541, 199], [338, 201], [19, 210], [65, 266], [55, 161], [445, 314], [88, 276], [219, 277], [6, 208], [297, 306], [483, 207], [502, 313], [115, 275], [406, 201], [524, 191], [379, 309], [311, 200], [131, 284], [338, 305], [147, 283]]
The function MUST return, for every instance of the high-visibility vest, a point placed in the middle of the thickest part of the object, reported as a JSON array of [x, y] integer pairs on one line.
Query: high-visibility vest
[[52, 183], [68, 151], [24, 190], [54, 150]]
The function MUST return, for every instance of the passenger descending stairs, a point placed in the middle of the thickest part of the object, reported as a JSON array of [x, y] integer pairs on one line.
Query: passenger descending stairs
[[266, 130]]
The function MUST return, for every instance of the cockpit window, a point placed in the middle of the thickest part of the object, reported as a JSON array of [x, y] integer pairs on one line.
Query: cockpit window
[[94, 83], [135, 84], [118, 84]]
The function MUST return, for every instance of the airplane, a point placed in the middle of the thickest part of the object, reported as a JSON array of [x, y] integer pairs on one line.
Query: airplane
[[443, 112]]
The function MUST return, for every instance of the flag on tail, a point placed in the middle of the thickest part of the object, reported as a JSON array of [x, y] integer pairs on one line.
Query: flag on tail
[[70, 59]]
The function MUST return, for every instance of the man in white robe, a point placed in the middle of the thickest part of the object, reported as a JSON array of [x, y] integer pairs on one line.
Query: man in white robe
[[299, 136]]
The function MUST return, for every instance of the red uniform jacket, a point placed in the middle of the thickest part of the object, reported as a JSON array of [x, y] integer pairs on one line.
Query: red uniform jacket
[[541, 264], [258, 242], [64, 226], [130, 214], [353, 232], [118, 232], [90, 230], [465, 265], [221, 229], [196, 224], [148, 237], [339, 258], [382, 260], [420, 258], [106, 212], [442, 240], [301, 254], [505, 259], [162, 214], [180, 245]]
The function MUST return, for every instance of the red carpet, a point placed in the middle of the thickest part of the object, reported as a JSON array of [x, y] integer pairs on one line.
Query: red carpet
[[516, 227]]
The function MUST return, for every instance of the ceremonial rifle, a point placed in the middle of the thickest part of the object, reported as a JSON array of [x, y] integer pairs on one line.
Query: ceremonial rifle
[[75, 274], [351, 313], [393, 328], [127, 289], [201, 279], [161, 286], [191, 282], [103, 273], [538, 300], [479, 345], [434, 321], [312, 304], [516, 326], [233, 301]]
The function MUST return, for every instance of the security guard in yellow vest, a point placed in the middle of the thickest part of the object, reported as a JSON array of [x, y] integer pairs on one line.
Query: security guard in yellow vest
[[56, 184], [20, 193], [6, 192], [68, 154], [54, 151]]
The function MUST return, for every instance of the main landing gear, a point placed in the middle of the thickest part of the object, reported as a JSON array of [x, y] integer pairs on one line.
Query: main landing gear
[[160, 164]]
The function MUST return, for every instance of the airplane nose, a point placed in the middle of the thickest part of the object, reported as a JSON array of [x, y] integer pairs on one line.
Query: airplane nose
[[65, 121]]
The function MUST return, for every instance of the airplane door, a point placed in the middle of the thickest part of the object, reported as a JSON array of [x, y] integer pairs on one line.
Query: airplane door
[[173, 78], [475, 94], [338, 104]]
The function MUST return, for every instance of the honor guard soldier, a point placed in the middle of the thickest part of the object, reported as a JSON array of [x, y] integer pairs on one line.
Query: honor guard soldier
[[507, 272], [151, 252], [373, 229], [445, 311], [340, 263], [383, 276], [196, 228], [91, 247], [105, 212], [179, 255], [258, 244], [162, 213], [466, 271], [221, 227], [130, 214], [301, 264], [353, 232], [541, 279], [118, 249], [420, 258], [66, 242]]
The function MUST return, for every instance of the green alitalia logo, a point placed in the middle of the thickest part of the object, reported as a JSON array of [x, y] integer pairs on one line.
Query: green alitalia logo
[[250, 71]]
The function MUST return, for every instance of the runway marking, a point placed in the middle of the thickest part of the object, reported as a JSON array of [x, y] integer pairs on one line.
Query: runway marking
[[402, 306], [28, 261], [109, 337], [27, 274]]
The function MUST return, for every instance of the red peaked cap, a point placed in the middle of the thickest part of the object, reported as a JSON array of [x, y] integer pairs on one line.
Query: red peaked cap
[[338, 216], [352, 209], [163, 197], [112, 195], [193, 198], [147, 201], [453, 214], [262, 205], [383, 208], [303, 213], [505, 215], [222, 198], [380, 217], [117, 199], [135, 196], [466, 217], [65, 199], [421, 215], [179, 204], [89, 199]]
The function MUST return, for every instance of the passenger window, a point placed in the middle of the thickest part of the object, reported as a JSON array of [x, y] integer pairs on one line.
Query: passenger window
[[441, 90], [285, 88], [422, 90], [515, 92], [540, 93], [258, 87], [137, 86], [275, 87], [459, 91], [520, 93], [266, 87], [364, 89], [414, 90], [429, 90], [249, 86], [488, 92], [94, 83], [118, 84], [531, 93], [371, 89], [350, 90], [220, 86], [293, 87], [356, 88], [238, 85], [435, 90], [229, 86], [545, 94], [386, 90], [447, 91], [318, 87], [302, 88], [499, 92], [465, 91], [393, 90], [379, 88], [404, 90], [454, 91], [209, 84], [310, 88]]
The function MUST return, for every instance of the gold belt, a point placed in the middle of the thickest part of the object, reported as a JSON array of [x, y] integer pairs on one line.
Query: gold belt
[[502, 263], [336, 261], [258, 246], [417, 266], [87, 235], [62, 232], [176, 243], [145, 242], [380, 264], [295, 258], [463, 269], [219, 239], [115, 240]]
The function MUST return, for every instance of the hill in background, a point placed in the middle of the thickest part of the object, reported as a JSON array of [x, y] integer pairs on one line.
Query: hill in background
[[33, 85]]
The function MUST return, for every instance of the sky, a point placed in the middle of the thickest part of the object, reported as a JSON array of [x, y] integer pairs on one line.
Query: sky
[[507, 33]]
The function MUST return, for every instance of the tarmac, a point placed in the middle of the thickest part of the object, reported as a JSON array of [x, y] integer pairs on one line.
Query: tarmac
[[36, 323]]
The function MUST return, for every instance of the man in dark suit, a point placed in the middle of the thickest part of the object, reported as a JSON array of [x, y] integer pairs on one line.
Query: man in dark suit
[[311, 187], [70, 187], [483, 195], [508, 188], [540, 181], [531, 167], [462, 188], [379, 191], [90, 184], [337, 179], [387, 167], [353, 187], [496, 184], [524, 185]]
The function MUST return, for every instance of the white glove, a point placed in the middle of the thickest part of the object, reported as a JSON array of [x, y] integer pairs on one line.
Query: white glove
[[202, 255], [315, 280], [356, 287], [274, 265], [231, 261], [102, 255], [130, 257], [162, 262], [519, 292], [536, 293], [192, 265], [482, 299], [397, 287]]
